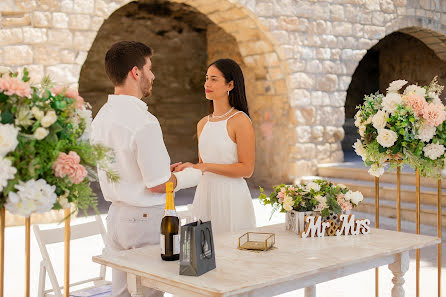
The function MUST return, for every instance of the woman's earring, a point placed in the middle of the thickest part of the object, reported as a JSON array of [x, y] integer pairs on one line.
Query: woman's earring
[[228, 93]]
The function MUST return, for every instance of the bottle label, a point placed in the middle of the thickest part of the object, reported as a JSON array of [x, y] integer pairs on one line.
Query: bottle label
[[176, 244], [162, 244]]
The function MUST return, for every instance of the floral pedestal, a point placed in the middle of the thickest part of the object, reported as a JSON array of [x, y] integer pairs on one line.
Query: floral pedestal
[[52, 216]]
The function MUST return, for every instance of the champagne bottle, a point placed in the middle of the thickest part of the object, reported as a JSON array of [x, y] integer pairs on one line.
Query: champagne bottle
[[169, 237]]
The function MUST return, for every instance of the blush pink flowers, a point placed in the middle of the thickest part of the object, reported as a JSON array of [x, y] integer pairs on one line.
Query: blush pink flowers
[[434, 114], [70, 93], [417, 103], [68, 165], [345, 205], [14, 86]]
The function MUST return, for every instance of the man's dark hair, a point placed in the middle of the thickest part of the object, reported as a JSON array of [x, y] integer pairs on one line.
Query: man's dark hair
[[122, 57]]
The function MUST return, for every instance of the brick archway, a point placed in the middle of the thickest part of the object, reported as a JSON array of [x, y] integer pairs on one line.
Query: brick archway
[[268, 100]]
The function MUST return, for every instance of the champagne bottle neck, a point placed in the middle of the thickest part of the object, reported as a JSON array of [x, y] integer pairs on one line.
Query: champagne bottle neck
[[170, 205]]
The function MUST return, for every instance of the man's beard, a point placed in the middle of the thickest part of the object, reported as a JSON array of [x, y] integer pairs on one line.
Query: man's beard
[[146, 88]]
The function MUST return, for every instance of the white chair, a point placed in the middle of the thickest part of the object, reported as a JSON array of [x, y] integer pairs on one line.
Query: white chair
[[100, 287]]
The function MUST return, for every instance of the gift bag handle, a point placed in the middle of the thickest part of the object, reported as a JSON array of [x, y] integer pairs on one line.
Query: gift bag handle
[[203, 241]]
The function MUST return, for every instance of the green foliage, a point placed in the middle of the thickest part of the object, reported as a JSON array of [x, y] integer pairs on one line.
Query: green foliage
[[408, 148], [305, 197], [34, 158]]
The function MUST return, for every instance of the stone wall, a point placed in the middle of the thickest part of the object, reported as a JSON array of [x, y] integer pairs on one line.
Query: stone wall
[[177, 34], [302, 55]]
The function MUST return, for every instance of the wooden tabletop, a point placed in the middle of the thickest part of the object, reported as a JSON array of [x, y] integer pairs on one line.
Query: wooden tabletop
[[292, 259]]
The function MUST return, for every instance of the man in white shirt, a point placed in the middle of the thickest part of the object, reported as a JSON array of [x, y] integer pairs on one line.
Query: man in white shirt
[[141, 159]]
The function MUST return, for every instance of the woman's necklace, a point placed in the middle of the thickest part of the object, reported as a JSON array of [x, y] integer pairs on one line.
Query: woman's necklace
[[223, 115]]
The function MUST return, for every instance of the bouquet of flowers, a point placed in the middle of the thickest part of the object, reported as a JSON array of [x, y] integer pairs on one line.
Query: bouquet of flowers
[[46, 161], [318, 195], [407, 127]]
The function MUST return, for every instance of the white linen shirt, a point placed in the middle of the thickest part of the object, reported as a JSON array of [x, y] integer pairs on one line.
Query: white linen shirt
[[141, 158]]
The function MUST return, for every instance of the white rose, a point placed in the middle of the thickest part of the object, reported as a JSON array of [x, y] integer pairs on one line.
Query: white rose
[[320, 198], [413, 89], [8, 138], [49, 119], [386, 137], [360, 150], [354, 197], [7, 172], [32, 196], [288, 200], [361, 130], [348, 196], [433, 150], [40, 133], [391, 102], [376, 170], [342, 186], [38, 114], [368, 121], [313, 186], [358, 118], [379, 120], [287, 207], [396, 85], [425, 132]]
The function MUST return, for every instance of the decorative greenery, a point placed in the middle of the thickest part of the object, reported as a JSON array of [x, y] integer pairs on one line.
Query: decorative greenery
[[407, 128], [319, 195], [45, 157]]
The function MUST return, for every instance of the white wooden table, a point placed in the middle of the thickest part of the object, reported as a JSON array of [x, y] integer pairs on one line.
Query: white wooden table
[[295, 263]]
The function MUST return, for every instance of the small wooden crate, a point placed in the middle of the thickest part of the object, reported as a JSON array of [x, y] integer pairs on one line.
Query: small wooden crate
[[256, 241]]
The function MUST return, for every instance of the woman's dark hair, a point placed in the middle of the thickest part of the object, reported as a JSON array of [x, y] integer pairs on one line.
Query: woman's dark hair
[[122, 57], [232, 72]]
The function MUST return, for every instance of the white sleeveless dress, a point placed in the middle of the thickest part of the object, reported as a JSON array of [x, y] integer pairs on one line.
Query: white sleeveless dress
[[225, 201]]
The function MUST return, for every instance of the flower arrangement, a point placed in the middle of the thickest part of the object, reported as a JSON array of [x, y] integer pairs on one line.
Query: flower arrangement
[[318, 195], [46, 161], [403, 128]]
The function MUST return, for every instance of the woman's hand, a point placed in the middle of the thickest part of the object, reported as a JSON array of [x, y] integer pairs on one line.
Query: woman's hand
[[183, 166], [173, 167], [201, 166]]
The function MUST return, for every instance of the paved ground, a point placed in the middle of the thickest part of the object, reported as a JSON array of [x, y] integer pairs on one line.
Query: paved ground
[[361, 284]]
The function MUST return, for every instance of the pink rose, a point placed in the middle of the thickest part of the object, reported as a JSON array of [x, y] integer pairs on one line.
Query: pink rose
[[434, 114], [345, 205], [70, 93], [12, 85], [79, 174], [417, 103], [68, 165]]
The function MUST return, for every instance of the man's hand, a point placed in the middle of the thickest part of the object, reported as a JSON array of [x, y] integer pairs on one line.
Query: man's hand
[[183, 166], [174, 166]]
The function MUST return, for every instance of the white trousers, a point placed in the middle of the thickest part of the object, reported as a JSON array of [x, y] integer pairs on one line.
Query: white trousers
[[131, 227]]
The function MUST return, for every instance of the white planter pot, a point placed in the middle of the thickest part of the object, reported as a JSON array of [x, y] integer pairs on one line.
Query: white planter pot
[[295, 220]]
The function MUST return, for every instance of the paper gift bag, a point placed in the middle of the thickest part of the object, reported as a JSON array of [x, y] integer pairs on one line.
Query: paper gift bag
[[197, 253]]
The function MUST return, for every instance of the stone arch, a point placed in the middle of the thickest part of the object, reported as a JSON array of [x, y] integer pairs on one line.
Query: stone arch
[[430, 53], [269, 102]]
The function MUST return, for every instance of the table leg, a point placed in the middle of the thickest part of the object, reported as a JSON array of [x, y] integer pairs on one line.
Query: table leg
[[134, 285], [399, 268], [310, 291]]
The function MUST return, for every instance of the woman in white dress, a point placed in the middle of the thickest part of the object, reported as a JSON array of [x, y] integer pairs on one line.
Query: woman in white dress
[[226, 144]]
